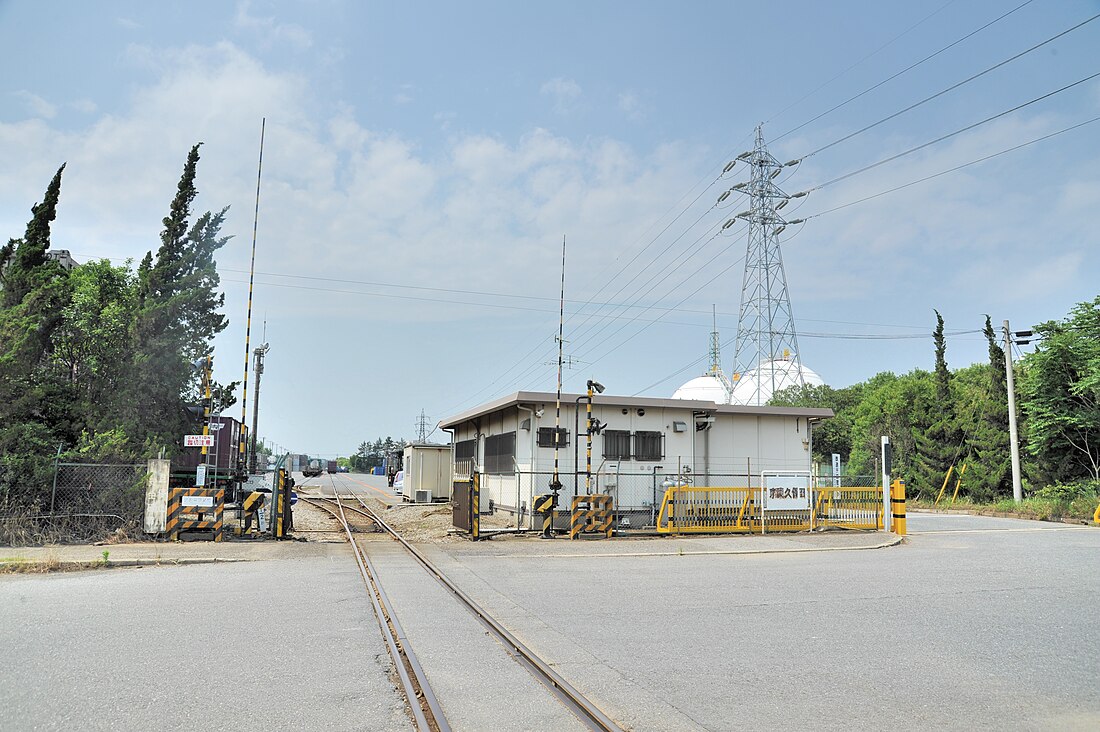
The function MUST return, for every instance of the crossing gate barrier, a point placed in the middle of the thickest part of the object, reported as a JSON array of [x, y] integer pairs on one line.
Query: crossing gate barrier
[[719, 510], [544, 504], [591, 515], [195, 509]]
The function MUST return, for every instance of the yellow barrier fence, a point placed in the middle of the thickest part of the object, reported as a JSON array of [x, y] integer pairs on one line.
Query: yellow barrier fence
[[717, 510]]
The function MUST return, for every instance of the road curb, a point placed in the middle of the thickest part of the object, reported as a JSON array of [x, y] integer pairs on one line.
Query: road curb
[[796, 550], [75, 564]]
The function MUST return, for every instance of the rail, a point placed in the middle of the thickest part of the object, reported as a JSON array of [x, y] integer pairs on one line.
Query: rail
[[587, 712], [404, 659]]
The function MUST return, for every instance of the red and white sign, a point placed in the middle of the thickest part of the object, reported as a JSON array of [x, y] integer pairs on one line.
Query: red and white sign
[[198, 440]]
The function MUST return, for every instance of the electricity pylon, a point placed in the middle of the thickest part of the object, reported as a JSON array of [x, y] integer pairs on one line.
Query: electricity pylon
[[767, 344]]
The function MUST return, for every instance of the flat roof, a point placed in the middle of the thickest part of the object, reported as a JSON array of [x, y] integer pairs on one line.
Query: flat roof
[[542, 397]]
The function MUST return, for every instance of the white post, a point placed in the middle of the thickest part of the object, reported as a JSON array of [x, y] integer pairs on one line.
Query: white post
[[1013, 433], [886, 469]]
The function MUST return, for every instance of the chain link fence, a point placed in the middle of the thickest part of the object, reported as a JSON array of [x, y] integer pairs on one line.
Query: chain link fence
[[85, 502], [637, 496]]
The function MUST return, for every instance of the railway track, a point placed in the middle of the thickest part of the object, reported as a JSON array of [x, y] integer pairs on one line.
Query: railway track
[[426, 710]]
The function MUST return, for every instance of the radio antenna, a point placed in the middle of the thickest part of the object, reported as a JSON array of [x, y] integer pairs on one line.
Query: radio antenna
[[555, 484]]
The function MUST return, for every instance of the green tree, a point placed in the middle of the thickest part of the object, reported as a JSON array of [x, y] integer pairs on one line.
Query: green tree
[[832, 435], [940, 442], [36, 408], [1060, 395], [898, 407], [177, 318]]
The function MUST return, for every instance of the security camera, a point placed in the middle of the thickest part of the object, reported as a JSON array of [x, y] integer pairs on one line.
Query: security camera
[[595, 385], [538, 414]]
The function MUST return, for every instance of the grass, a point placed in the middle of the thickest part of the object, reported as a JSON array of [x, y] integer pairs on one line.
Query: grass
[[1038, 509]]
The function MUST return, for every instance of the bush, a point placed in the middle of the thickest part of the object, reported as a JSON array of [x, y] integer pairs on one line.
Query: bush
[[1069, 492]]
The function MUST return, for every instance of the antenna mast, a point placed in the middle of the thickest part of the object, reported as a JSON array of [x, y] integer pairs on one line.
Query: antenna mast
[[555, 482], [241, 466]]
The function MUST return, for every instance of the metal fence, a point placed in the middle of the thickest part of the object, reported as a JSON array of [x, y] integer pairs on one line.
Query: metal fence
[[86, 502], [638, 496]]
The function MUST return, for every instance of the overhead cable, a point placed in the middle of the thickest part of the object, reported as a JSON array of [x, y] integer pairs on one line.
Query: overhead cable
[[950, 88], [954, 169], [903, 71], [949, 135]]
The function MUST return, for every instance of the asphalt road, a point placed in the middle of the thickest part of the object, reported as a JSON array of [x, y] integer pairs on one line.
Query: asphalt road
[[286, 644], [975, 623]]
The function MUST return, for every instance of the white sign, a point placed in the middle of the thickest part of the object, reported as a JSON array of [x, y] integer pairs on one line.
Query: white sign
[[200, 476], [786, 492], [198, 440], [836, 470], [198, 501]]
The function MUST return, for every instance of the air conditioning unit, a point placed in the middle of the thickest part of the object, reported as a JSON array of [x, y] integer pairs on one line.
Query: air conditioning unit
[[423, 496]]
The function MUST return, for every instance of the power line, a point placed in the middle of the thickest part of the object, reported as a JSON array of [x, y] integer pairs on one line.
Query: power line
[[890, 42], [955, 169], [950, 88], [903, 71], [949, 135]]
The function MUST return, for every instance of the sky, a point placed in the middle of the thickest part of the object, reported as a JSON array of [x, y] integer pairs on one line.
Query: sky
[[423, 161]]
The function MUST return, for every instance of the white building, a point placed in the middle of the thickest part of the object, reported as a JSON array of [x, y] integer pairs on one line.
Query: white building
[[646, 444]]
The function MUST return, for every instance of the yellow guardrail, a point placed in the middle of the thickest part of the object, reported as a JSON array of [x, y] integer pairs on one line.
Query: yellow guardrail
[[717, 510]]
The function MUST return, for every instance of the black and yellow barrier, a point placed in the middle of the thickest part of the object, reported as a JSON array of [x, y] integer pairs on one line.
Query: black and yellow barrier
[[545, 505], [591, 515], [897, 507], [195, 509]]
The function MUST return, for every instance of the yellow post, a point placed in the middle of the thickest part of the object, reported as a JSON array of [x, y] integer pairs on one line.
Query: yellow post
[[958, 482], [943, 488], [897, 506]]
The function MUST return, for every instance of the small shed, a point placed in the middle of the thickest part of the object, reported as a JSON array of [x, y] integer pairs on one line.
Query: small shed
[[427, 473]]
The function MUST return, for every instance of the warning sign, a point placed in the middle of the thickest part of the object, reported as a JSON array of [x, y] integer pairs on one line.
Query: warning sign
[[198, 440]]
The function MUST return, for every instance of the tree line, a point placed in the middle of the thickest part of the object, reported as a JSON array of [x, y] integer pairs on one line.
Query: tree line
[[98, 361], [943, 418], [370, 455]]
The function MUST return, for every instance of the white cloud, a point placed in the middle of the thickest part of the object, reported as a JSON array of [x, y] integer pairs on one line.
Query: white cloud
[[404, 95], [38, 106], [631, 105], [271, 31], [564, 92]]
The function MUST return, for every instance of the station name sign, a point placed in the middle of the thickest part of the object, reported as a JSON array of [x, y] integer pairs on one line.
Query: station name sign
[[198, 440], [786, 492]]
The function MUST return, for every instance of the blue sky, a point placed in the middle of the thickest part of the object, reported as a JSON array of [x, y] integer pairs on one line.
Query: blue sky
[[450, 146]]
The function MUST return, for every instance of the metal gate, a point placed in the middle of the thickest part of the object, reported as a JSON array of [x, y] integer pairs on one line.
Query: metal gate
[[466, 504]]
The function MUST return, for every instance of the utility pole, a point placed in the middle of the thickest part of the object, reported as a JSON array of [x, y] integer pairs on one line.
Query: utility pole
[[258, 355], [1013, 431]]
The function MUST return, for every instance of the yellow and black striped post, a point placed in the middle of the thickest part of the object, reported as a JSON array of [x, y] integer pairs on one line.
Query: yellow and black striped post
[[475, 506], [897, 506], [588, 443], [195, 509], [590, 514], [208, 400], [544, 504]]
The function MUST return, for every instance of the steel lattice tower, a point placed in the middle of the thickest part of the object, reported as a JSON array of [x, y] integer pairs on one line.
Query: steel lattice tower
[[765, 324]]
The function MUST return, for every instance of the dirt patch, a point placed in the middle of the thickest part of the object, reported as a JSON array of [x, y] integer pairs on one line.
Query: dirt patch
[[429, 522]]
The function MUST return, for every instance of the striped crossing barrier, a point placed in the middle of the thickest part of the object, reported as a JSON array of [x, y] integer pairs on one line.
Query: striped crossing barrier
[[590, 515], [195, 509], [544, 504]]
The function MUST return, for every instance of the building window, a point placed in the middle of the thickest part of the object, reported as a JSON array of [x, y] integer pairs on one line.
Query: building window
[[616, 444], [648, 445], [500, 453], [465, 450], [546, 436]]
